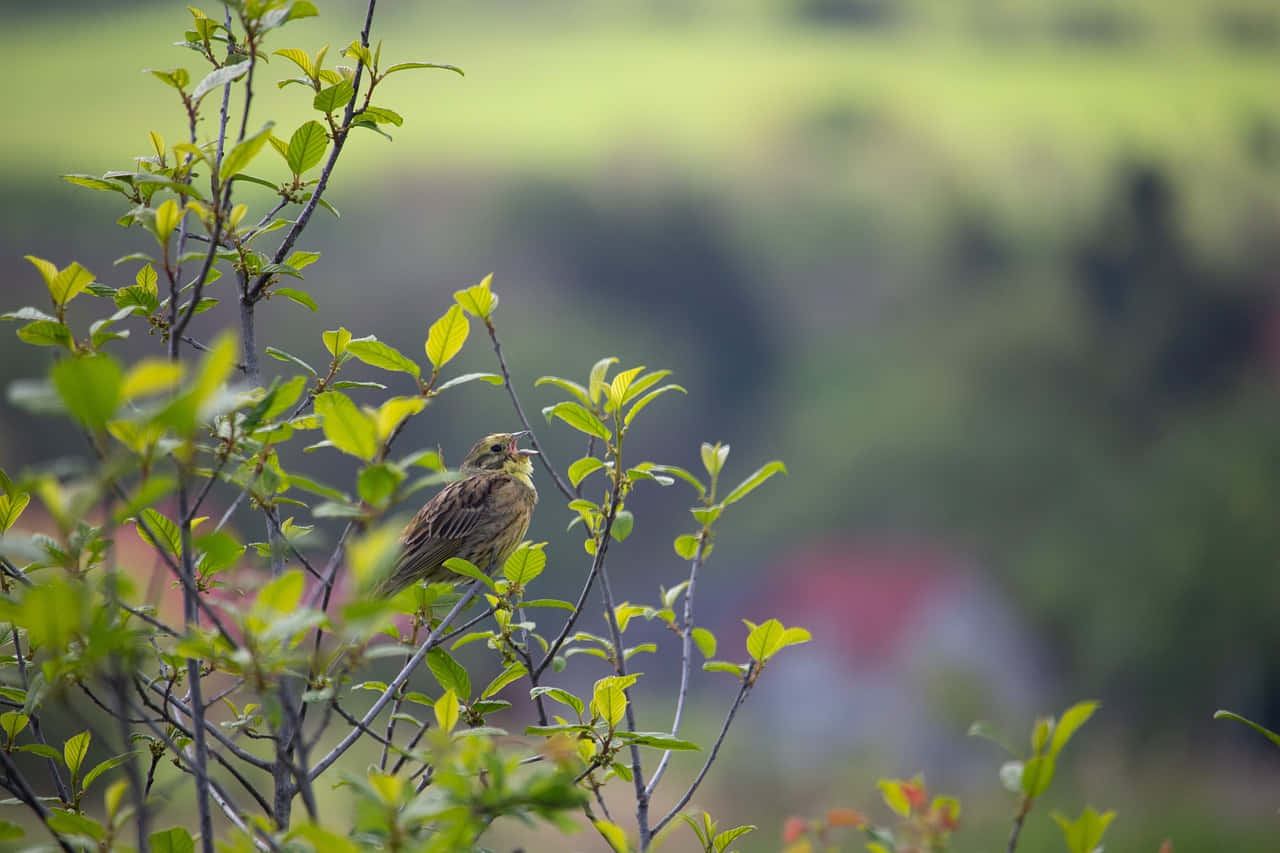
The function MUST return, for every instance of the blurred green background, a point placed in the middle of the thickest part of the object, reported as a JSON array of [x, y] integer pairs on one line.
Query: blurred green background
[[996, 279]]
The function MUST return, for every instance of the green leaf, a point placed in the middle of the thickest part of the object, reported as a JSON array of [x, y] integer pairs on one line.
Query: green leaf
[[90, 388], [151, 376], [749, 484], [178, 78], [377, 483], [467, 569], [988, 731], [446, 710], [336, 340], [649, 398], [572, 387], [72, 824], [306, 147], [727, 837], [168, 215], [578, 418], [74, 751], [478, 300], [239, 157], [579, 470], [508, 675], [405, 66], [281, 355], [219, 77], [1072, 719], [713, 457], [46, 333], [1037, 773], [299, 58], [613, 834], [103, 766], [562, 696], [446, 336], [658, 740], [450, 673], [351, 430], [706, 642], [282, 595], [609, 701], [623, 523], [1084, 835], [334, 97], [491, 378], [1231, 715], [525, 564], [175, 840], [11, 508], [596, 383], [372, 351], [297, 296], [94, 183], [162, 528], [67, 283], [686, 546], [765, 639], [13, 722], [10, 831]]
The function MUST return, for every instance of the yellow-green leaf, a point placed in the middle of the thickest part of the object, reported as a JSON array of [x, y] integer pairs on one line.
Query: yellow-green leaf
[[446, 709], [351, 430], [151, 376], [167, 217], [74, 751], [478, 300], [447, 335]]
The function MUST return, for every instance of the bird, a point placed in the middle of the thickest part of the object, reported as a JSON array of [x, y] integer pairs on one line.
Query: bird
[[481, 518]]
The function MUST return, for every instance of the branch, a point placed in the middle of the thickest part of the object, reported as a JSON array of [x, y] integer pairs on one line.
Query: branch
[[339, 140], [230, 745], [524, 420], [35, 718], [18, 784], [433, 640], [747, 681], [686, 659]]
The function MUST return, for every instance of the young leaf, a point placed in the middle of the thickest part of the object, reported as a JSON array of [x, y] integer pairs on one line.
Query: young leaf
[[239, 157], [372, 351], [404, 66], [560, 695], [578, 418], [467, 569], [219, 77], [686, 546], [579, 470], [446, 708], [306, 147], [90, 388], [334, 97], [706, 642], [525, 564], [450, 673], [478, 300], [74, 751], [351, 430], [508, 675], [446, 336], [747, 485], [1072, 719]]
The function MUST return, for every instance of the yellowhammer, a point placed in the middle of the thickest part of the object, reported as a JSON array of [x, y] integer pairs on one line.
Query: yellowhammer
[[481, 518]]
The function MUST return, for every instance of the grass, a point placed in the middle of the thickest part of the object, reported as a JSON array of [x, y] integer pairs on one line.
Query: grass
[[585, 93]]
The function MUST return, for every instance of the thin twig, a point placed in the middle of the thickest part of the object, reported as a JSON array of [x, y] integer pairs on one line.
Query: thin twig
[[339, 140], [17, 783], [686, 659], [747, 681], [226, 742], [35, 718], [524, 420], [433, 640]]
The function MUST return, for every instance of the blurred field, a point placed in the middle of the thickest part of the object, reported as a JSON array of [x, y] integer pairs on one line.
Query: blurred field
[[996, 279]]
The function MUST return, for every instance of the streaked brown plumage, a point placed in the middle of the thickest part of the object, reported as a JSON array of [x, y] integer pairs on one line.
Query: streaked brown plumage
[[481, 518]]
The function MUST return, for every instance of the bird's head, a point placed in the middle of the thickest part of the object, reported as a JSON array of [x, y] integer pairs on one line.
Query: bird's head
[[498, 452]]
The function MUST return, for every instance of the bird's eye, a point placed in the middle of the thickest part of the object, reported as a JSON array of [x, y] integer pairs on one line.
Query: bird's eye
[[497, 448]]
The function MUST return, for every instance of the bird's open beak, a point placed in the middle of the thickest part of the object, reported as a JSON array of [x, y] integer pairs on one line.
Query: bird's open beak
[[515, 436]]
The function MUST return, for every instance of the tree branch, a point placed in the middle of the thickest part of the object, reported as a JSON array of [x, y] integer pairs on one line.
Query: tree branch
[[524, 420], [747, 682]]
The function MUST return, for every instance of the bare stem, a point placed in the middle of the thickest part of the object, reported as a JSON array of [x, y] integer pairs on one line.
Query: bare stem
[[686, 659], [747, 681], [524, 420]]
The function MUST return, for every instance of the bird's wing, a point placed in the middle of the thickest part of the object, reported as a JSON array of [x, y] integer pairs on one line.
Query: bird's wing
[[437, 531]]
